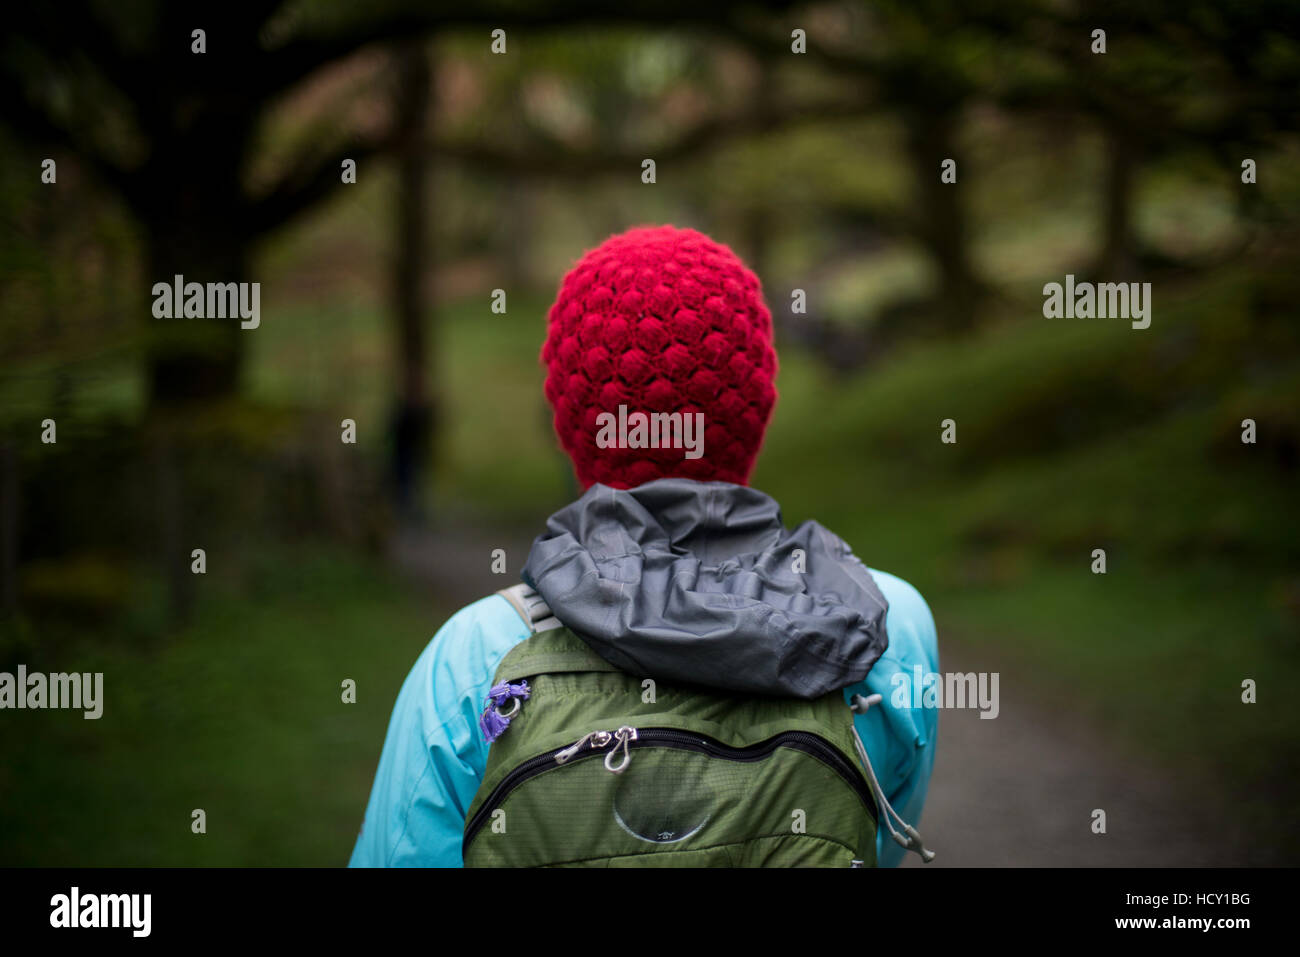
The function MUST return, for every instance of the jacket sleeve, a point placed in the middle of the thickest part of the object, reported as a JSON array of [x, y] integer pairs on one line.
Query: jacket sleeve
[[434, 754], [898, 735]]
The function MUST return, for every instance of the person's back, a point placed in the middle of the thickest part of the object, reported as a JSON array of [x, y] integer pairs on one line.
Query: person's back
[[668, 573]]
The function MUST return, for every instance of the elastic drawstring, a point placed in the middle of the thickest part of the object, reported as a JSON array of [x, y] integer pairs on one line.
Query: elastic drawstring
[[913, 840]]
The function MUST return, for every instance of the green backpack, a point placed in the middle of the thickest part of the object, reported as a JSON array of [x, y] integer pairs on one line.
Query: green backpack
[[593, 766]]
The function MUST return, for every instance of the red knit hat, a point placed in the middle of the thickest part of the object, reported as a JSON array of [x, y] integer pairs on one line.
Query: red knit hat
[[661, 320]]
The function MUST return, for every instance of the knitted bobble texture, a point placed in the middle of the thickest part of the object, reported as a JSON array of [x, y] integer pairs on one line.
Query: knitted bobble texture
[[661, 320]]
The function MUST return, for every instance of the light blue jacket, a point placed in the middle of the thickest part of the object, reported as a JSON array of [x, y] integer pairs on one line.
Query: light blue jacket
[[434, 756]]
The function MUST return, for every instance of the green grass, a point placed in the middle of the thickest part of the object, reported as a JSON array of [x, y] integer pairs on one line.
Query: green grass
[[239, 714]]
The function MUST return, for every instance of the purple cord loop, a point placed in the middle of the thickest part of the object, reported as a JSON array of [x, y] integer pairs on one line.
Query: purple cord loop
[[493, 722], [500, 694]]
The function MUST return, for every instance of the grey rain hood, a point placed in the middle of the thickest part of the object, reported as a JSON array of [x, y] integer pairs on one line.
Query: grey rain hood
[[700, 583]]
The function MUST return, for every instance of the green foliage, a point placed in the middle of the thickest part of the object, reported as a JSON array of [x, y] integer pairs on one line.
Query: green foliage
[[239, 714]]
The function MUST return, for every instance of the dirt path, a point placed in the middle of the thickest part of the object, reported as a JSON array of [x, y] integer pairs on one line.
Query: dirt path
[[1018, 790], [1021, 790]]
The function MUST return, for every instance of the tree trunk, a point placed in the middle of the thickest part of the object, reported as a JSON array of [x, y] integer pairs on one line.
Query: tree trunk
[[10, 512], [194, 359], [196, 227], [413, 415], [174, 528], [931, 138], [196, 223], [758, 212], [1117, 257]]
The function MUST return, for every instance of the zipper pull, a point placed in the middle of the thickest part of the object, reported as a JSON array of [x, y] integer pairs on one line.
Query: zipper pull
[[597, 739], [623, 736]]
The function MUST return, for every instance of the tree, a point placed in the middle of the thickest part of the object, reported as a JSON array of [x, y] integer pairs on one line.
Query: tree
[[173, 131]]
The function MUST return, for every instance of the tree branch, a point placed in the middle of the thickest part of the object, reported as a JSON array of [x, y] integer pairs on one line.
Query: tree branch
[[26, 119], [308, 182], [582, 163], [302, 55]]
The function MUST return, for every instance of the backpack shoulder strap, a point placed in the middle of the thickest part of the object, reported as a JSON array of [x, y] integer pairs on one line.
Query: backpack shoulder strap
[[550, 647], [532, 608]]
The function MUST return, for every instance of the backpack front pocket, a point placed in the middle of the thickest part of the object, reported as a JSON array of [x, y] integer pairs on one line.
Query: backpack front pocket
[[625, 791]]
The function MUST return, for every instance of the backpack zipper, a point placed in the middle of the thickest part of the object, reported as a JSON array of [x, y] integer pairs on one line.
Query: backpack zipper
[[611, 743]]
